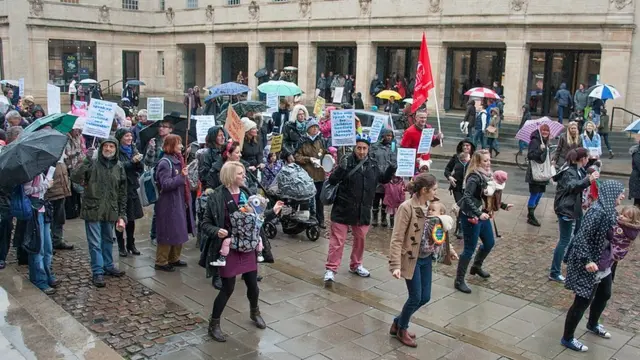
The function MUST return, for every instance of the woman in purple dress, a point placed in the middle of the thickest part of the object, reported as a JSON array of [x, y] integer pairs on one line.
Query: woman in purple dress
[[225, 200]]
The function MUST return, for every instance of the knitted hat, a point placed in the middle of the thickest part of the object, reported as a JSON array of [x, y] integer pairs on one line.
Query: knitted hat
[[500, 176], [248, 124], [312, 122]]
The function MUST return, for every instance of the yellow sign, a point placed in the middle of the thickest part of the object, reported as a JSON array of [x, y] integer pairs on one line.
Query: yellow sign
[[233, 125], [319, 107], [276, 143]]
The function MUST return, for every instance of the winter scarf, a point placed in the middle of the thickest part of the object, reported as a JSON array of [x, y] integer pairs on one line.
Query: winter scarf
[[127, 150]]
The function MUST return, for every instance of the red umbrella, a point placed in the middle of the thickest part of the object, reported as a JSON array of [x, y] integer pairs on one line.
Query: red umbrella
[[482, 93]]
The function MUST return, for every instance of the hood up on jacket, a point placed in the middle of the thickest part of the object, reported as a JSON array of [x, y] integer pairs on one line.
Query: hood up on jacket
[[461, 144], [384, 132], [109, 163], [608, 193], [213, 133], [563, 86], [294, 113], [36, 109]]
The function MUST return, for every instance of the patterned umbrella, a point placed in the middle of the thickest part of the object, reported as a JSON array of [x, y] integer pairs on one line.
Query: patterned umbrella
[[481, 92], [230, 88], [634, 127], [530, 126], [604, 92]]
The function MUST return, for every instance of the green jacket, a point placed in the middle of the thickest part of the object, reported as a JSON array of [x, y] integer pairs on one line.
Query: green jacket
[[604, 124], [105, 187]]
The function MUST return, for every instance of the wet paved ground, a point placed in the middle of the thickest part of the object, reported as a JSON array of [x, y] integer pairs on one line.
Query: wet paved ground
[[149, 314]]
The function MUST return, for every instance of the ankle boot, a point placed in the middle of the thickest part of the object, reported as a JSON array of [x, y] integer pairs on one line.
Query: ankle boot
[[476, 268], [394, 330], [216, 281], [611, 155], [391, 221], [374, 218], [383, 218], [215, 331], [459, 283], [257, 319], [403, 337], [531, 217]]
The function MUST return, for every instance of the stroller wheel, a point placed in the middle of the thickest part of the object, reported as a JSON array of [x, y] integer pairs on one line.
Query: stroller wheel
[[271, 230], [313, 233]]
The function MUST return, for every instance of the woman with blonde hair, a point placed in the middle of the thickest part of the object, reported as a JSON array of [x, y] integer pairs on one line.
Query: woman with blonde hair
[[569, 141]]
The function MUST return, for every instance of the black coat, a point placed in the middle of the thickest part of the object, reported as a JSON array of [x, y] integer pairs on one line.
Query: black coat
[[457, 169], [211, 156], [132, 171], [291, 137], [540, 156], [634, 179], [280, 118], [470, 115], [472, 199], [354, 198], [252, 151], [568, 200]]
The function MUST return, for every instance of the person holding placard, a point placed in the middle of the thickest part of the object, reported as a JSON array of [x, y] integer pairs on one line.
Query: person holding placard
[[356, 178], [411, 137], [591, 141]]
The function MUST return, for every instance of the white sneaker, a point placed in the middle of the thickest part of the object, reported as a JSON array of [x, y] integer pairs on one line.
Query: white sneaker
[[329, 275], [221, 261], [260, 258], [154, 242], [360, 271]]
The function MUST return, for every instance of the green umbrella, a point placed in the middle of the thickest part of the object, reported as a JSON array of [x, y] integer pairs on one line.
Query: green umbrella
[[282, 88], [61, 122]]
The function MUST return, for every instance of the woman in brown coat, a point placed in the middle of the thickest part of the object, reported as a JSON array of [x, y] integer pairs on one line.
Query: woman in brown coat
[[410, 258]]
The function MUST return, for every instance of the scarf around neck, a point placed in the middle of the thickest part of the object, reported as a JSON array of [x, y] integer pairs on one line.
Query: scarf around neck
[[127, 150]]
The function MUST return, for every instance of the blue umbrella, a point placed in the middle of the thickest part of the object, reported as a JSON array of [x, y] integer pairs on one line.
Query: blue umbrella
[[135, 83], [604, 92], [634, 127], [230, 88]]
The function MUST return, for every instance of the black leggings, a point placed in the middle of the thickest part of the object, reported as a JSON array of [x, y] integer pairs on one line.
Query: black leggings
[[378, 200], [228, 285], [598, 302]]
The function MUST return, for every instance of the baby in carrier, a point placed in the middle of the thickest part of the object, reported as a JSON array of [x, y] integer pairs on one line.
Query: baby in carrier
[[245, 224]]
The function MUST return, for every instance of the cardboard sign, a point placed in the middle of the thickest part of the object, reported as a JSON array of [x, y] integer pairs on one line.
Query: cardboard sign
[[99, 119], [21, 87], [337, 95], [234, 126], [425, 141], [376, 127], [272, 103], [276, 143], [343, 128], [203, 124], [595, 152], [53, 99], [318, 108], [406, 162], [155, 108]]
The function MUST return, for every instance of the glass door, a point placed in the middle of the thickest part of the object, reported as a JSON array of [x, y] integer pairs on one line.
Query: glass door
[[460, 78], [535, 89], [130, 66]]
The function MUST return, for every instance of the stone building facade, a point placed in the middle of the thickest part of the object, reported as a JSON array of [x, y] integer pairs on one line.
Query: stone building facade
[[529, 47]]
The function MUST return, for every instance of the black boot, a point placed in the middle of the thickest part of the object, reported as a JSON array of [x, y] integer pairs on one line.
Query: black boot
[[257, 319], [383, 218], [374, 217], [531, 217], [476, 268], [216, 281], [121, 250], [391, 221], [215, 331], [459, 283], [131, 240]]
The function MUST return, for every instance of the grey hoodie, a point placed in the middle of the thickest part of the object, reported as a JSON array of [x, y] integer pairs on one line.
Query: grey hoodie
[[563, 96]]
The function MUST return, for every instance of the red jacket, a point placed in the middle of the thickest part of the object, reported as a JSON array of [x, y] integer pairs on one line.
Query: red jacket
[[411, 139]]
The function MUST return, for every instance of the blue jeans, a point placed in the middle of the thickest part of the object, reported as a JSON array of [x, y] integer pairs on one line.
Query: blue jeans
[[100, 239], [492, 143], [522, 145], [566, 229], [40, 272], [605, 139], [482, 230], [419, 291], [534, 199], [561, 110], [479, 139]]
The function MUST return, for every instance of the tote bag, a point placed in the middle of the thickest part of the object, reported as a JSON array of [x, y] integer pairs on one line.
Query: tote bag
[[542, 172]]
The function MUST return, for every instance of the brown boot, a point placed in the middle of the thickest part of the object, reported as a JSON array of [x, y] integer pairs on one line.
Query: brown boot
[[257, 319], [404, 338], [214, 330], [394, 331]]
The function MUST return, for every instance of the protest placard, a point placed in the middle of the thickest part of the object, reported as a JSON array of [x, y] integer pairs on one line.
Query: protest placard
[[80, 105], [337, 95], [318, 108], [53, 99], [343, 128], [155, 108], [203, 124], [99, 119], [595, 152], [272, 103], [234, 126], [406, 162], [425, 141], [276, 143], [379, 122], [21, 87]]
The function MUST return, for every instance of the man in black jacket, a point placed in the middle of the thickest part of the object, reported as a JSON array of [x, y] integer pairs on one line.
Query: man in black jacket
[[470, 117], [356, 177]]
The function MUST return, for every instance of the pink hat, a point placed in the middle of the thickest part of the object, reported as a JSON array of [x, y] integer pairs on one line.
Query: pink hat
[[500, 176]]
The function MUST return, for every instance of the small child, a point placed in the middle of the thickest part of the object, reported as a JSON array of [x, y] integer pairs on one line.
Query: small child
[[393, 197], [272, 169], [436, 228], [246, 224], [424, 166], [623, 234], [590, 194], [493, 194]]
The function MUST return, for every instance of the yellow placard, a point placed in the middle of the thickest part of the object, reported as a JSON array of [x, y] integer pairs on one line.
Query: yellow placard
[[319, 107], [276, 143]]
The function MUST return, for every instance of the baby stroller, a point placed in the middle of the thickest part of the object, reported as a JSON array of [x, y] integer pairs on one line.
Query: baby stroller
[[295, 189]]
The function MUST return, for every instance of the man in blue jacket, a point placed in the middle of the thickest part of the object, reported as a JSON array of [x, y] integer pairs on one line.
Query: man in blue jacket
[[564, 100]]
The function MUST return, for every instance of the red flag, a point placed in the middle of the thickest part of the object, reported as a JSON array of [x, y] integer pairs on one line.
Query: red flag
[[424, 77]]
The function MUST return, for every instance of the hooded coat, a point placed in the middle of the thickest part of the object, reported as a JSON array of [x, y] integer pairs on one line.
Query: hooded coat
[[105, 186], [590, 241], [292, 136], [563, 96], [384, 153], [211, 156], [456, 168], [470, 115], [571, 182], [132, 171], [174, 221], [311, 148]]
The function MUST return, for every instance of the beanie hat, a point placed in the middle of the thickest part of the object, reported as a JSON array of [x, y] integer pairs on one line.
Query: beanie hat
[[248, 124], [500, 176], [312, 122]]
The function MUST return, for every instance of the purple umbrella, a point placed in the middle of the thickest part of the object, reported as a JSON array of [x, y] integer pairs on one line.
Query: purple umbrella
[[530, 126]]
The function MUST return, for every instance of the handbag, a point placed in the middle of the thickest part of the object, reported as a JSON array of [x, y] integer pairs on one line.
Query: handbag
[[542, 172], [491, 129], [329, 192]]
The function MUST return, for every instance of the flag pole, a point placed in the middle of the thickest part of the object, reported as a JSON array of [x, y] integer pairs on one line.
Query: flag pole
[[435, 99]]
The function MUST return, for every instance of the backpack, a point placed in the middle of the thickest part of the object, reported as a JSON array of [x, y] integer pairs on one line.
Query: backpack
[[20, 204], [192, 174], [148, 192]]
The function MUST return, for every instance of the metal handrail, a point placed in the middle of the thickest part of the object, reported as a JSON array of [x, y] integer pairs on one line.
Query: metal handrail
[[110, 86], [613, 111]]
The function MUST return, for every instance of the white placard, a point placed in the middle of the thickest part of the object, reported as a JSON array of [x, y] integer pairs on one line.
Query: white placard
[[425, 141], [155, 108], [203, 124], [99, 119], [21, 87], [53, 99], [250, 97], [50, 173], [272, 103], [80, 105], [337, 95], [343, 128], [376, 127], [406, 162], [595, 152]]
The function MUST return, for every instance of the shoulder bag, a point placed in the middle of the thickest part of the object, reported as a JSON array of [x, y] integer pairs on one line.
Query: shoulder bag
[[329, 192]]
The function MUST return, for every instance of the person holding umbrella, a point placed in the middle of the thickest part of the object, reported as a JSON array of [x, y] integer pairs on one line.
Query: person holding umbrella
[[538, 148]]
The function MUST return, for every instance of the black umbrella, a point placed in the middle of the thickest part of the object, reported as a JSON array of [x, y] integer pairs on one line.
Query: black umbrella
[[179, 128], [262, 72], [241, 109], [31, 154]]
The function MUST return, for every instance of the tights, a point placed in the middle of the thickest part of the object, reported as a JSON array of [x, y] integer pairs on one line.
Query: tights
[[228, 285], [598, 302]]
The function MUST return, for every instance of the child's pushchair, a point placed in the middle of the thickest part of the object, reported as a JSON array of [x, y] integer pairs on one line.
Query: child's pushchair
[[295, 188]]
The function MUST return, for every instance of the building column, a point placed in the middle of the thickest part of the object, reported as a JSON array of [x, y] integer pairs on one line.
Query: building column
[[365, 67], [257, 54], [213, 60], [18, 49], [307, 61], [515, 79], [614, 69]]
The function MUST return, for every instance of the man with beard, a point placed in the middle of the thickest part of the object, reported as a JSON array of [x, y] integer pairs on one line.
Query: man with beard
[[103, 204], [411, 136]]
